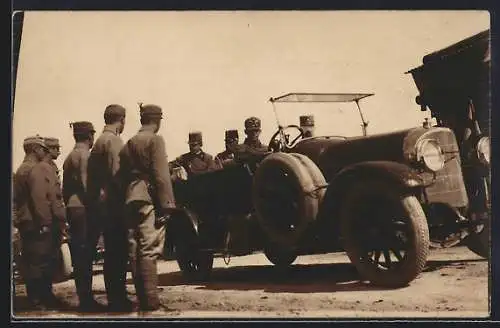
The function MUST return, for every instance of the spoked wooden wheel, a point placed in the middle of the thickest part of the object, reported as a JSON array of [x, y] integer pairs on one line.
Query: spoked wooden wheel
[[385, 233]]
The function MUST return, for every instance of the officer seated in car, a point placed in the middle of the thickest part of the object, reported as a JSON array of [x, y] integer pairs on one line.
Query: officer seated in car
[[252, 150]]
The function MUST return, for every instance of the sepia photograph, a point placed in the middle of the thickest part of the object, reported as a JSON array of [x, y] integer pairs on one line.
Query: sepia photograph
[[251, 164]]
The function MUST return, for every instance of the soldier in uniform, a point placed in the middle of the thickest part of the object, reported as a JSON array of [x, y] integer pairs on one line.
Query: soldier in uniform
[[40, 222], [106, 208], [149, 201], [227, 156], [252, 149], [196, 161], [54, 153], [253, 130], [75, 198], [307, 125]]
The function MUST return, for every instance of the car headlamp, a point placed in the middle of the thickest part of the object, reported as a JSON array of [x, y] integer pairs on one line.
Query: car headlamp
[[430, 154], [483, 150]]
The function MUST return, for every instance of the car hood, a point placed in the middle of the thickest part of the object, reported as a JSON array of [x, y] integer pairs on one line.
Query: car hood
[[332, 154]]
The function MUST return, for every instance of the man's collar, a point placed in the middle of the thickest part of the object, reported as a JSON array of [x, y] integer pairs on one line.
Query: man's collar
[[149, 127], [200, 154], [30, 158], [111, 128], [252, 143], [82, 145]]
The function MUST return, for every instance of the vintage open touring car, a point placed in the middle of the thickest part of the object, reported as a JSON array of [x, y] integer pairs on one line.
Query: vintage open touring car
[[380, 198]]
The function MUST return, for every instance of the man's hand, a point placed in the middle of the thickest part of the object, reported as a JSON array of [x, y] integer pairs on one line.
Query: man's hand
[[161, 220], [65, 233], [164, 216], [179, 173]]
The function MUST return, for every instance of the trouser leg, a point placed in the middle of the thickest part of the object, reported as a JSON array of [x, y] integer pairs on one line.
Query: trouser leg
[[149, 277], [38, 250], [147, 245], [134, 263], [115, 263], [81, 254]]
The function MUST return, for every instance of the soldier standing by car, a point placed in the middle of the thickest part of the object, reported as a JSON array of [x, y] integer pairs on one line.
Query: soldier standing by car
[[149, 201], [307, 125], [106, 208], [196, 161], [227, 156], [54, 153], [75, 197], [39, 222]]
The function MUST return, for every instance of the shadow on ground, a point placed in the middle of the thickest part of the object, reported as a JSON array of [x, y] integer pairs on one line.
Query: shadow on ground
[[299, 278], [459, 264]]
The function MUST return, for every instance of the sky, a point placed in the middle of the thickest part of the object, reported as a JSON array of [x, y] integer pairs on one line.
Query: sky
[[211, 70]]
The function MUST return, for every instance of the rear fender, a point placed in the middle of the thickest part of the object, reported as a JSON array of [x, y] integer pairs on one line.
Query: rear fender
[[400, 175]]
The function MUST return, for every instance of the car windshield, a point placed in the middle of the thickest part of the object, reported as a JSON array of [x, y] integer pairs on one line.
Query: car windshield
[[334, 114]]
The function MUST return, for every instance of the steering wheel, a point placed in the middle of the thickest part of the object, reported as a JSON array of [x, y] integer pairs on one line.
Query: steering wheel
[[280, 139]]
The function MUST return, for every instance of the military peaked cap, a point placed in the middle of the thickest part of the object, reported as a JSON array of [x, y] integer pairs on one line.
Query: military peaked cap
[[195, 137], [252, 123], [114, 110], [34, 140], [307, 120], [232, 134], [51, 142], [151, 111], [82, 127]]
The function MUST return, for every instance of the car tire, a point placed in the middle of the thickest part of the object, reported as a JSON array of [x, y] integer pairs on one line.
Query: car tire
[[479, 243], [280, 256], [287, 191], [195, 265], [378, 218]]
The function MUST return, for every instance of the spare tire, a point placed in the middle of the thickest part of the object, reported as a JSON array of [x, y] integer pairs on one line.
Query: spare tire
[[287, 192]]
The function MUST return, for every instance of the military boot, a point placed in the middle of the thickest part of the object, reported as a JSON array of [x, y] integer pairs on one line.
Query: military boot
[[138, 282], [148, 273], [49, 299], [33, 292], [115, 283]]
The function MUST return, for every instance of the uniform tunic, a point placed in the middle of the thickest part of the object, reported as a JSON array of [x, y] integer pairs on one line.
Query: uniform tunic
[[143, 164], [250, 151], [103, 165], [195, 164], [60, 207], [21, 192], [224, 158], [75, 176]]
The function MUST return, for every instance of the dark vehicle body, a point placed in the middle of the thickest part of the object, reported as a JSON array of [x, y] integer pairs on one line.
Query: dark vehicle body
[[305, 197], [454, 84]]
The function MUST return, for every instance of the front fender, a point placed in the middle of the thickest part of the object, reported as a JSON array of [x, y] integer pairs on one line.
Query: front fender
[[183, 227], [400, 175]]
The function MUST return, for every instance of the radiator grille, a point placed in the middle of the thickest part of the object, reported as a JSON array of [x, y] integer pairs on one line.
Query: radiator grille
[[447, 184]]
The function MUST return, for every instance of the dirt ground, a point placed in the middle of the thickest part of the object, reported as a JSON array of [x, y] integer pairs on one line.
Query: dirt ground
[[454, 284]]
